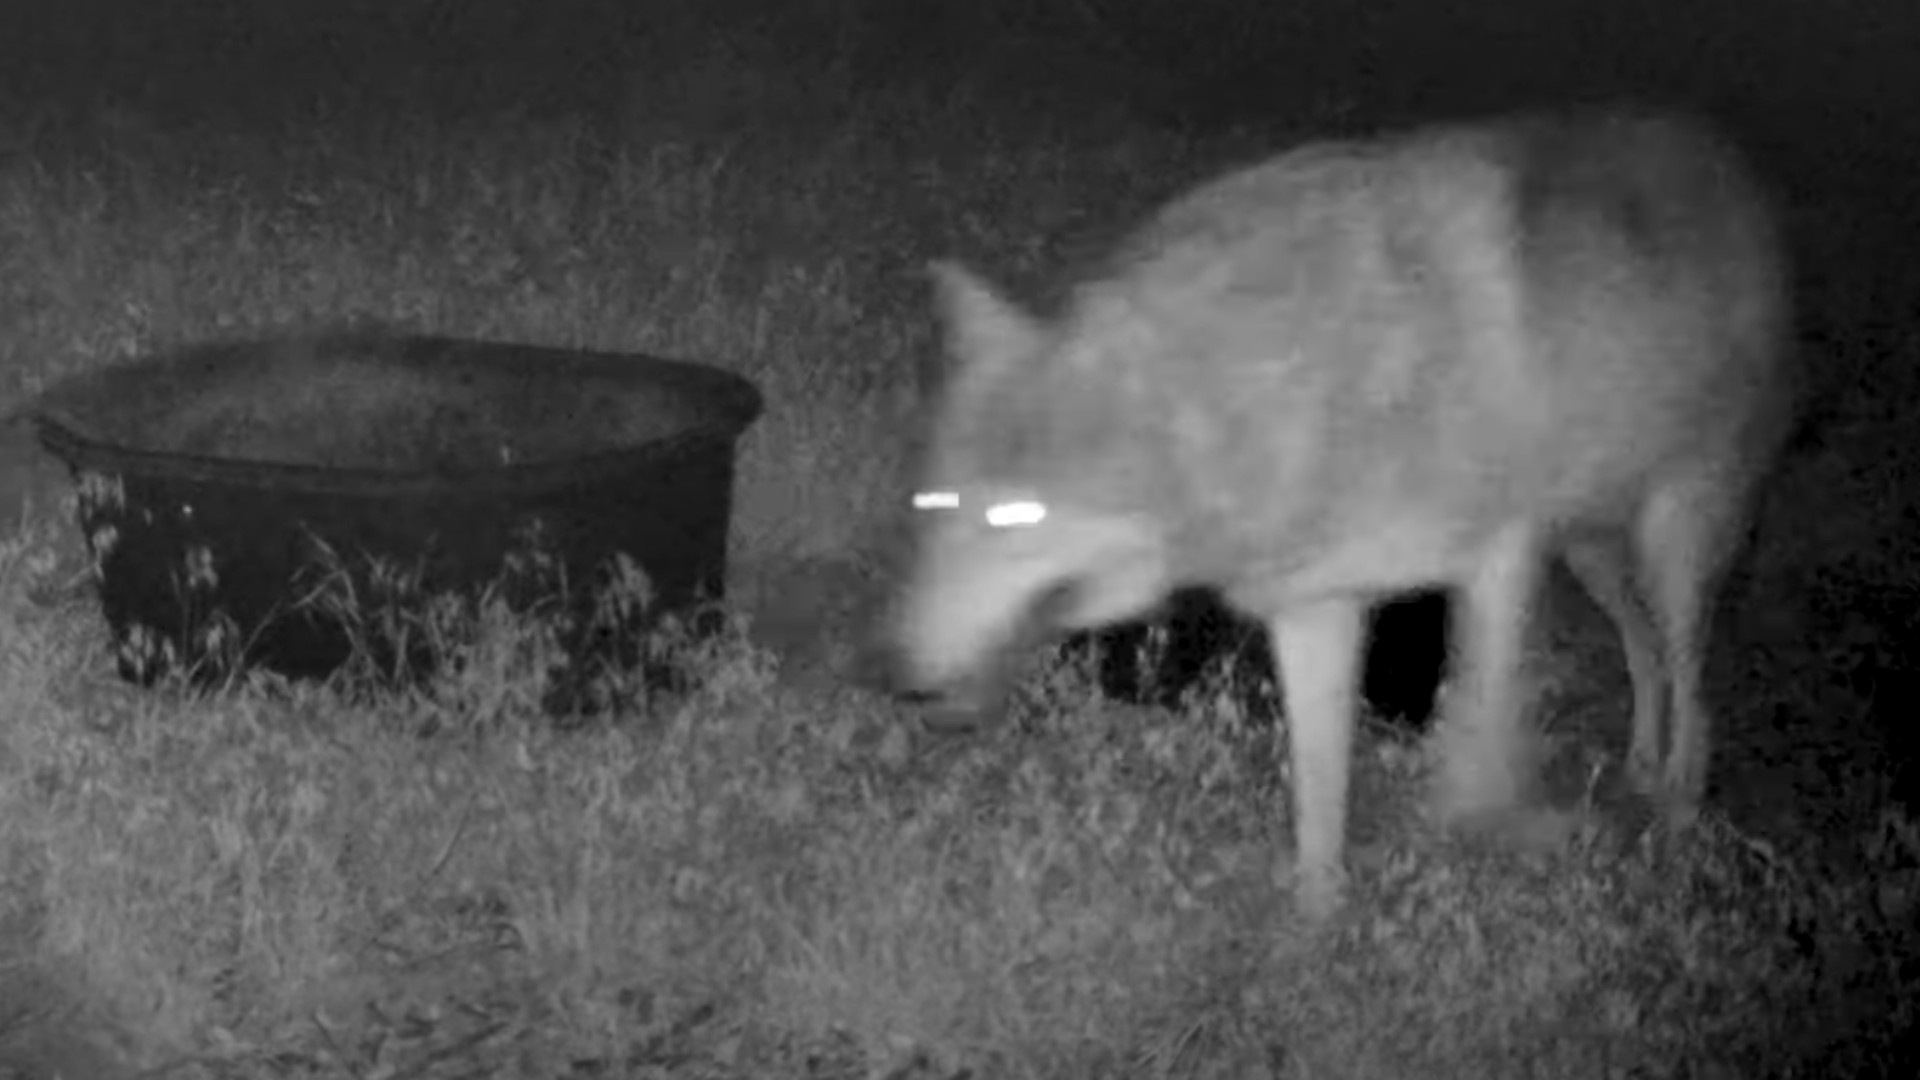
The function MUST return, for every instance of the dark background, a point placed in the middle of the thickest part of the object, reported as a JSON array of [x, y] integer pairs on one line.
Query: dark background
[[1825, 84], [1825, 93]]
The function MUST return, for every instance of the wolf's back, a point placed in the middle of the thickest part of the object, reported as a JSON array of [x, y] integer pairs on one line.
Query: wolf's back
[[1441, 331], [1655, 288]]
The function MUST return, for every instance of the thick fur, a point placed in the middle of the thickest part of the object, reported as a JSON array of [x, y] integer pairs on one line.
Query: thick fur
[[1430, 359]]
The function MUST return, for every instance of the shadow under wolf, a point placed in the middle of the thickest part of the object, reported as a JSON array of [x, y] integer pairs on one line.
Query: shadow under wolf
[[1197, 636], [1429, 360]]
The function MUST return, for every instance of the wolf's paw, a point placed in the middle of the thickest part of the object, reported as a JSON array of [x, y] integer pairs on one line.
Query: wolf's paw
[[1542, 830], [1473, 804], [1671, 795], [1679, 810], [1526, 827], [1319, 892], [1643, 773]]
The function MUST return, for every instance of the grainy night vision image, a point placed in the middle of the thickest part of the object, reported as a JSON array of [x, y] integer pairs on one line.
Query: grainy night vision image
[[935, 539]]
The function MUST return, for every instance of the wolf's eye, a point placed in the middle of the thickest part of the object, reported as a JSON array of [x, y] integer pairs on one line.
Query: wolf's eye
[[1016, 514], [936, 500]]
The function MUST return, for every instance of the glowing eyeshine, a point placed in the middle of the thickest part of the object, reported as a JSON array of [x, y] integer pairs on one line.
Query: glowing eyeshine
[[1012, 514], [1016, 514]]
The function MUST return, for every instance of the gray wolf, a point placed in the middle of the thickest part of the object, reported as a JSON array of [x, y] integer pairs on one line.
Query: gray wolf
[[1432, 358]]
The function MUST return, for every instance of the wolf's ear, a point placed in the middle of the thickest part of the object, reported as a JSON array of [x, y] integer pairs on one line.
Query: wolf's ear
[[982, 329]]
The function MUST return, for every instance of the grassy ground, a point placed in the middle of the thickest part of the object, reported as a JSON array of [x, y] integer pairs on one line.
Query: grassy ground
[[773, 877]]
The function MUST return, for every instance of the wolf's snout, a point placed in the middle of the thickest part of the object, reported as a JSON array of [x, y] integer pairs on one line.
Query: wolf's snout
[[895, 672], [948, 707], [891, 669]]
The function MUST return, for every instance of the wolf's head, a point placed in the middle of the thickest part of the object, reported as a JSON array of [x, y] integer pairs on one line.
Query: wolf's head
[[1033, 516]]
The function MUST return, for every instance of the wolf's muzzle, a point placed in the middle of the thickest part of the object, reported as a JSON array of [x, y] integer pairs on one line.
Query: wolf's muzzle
[[975, 703]]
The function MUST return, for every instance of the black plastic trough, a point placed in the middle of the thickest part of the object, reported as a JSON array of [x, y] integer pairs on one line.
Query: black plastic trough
[[214, 480]]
